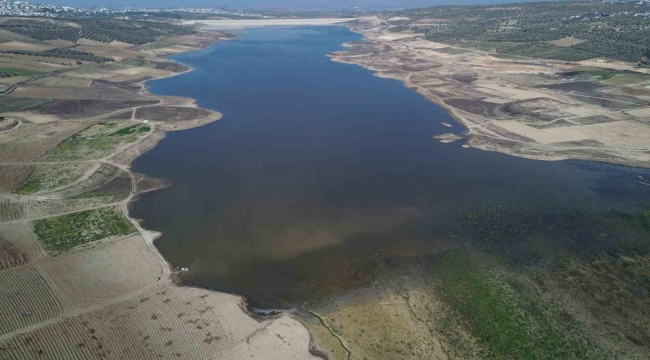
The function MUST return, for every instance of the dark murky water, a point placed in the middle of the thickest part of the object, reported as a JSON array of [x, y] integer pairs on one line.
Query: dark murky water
[[320, 175]]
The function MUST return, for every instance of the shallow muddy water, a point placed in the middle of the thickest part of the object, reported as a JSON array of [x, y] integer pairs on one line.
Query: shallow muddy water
[[321, 175]]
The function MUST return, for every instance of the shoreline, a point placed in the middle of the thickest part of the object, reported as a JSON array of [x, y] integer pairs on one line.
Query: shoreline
[[151, 236], [482, 132], [246, 333]]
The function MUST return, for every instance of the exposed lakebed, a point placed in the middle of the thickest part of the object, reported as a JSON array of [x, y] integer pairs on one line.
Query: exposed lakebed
[[320, 176]]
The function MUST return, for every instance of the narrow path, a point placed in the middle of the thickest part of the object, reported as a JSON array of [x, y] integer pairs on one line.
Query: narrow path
[[320, 318]]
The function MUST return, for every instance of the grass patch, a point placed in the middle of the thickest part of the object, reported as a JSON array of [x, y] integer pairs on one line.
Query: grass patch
[[601, 74], [97, 141], [29, 187], [68, 231], [18, 72], [134, 62], [511, 322], [133, 129]]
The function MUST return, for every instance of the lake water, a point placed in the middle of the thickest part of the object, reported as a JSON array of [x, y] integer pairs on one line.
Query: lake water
[[320, 175]]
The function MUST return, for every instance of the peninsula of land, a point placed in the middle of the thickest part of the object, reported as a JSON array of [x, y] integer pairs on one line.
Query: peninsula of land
[[597, 109]]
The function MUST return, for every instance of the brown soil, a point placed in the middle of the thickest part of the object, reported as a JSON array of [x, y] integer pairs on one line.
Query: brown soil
[[12, 176]]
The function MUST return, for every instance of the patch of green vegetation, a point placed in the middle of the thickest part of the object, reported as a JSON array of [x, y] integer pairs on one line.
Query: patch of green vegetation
[[512, 322], [606, 29], [133, 129], [97, 141], [601, 74], [18, 72], [29, 187], [133, 62], [68, 231], [140, 56]]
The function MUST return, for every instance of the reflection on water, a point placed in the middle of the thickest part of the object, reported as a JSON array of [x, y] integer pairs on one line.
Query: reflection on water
[[321, 174]]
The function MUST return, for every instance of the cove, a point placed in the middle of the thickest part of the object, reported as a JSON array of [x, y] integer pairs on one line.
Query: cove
[[321, 175]]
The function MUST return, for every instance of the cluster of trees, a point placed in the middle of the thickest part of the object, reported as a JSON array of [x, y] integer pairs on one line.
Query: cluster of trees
[[608, 30], [132, 32], [41, 30], [63, 53]]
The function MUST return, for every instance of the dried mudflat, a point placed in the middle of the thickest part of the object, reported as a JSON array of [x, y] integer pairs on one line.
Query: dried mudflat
[[524, 107], [108, 298]]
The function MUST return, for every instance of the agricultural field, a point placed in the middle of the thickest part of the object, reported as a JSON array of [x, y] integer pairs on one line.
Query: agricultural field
[[65, 232], [108, 270], [97, 141], [21, 238], [166, 322], [47, 177], [13, 176], [567, 31], [11, 210], [105, 31], [71, 93], [71, 109], [26, 299], [115, 190], [10, 256], [31, 141], [14, 103]]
